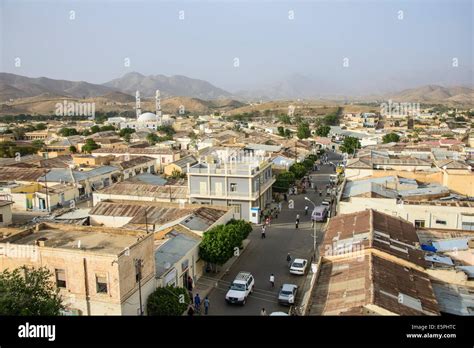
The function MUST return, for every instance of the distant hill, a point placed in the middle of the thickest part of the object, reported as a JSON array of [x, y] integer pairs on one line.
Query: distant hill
[[15, 86], [435, 94], [176, 85]]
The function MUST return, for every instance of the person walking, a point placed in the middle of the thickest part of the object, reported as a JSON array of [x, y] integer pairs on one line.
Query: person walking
[[190, 310], [297, 223], [272, 280], [306, 210], [298, 217], [312, 222], [197, 303], [263, 312], [263, 231], [206, 305], [288, 259]]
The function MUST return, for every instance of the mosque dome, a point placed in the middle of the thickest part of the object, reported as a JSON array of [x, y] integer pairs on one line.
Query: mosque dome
[[147, 117]]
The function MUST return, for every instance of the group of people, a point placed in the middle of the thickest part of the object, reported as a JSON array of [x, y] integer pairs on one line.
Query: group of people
[[196, 308], [267, 218]]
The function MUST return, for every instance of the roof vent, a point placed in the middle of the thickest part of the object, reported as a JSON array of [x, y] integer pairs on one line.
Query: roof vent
[[40, 241]]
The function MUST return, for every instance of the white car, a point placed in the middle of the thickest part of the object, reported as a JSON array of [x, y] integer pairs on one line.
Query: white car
[[240, 288], [298, 266]]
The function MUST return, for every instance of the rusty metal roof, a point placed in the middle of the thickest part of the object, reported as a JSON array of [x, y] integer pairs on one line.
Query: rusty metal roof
[[349, 284], [21, 174], [354, 232]]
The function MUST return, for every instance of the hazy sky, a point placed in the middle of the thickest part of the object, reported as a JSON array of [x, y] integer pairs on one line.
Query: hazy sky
[[382, 49]]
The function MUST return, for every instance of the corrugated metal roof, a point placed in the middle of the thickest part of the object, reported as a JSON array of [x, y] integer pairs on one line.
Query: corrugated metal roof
[[64, 175], [451, 244], [173, 251]]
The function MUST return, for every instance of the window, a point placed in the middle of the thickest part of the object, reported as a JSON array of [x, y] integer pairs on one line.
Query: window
[[419, 223], [101, 284], [441, 222], [233, 187], [60, 278], [469, 226], [203, 188], [1, 217]]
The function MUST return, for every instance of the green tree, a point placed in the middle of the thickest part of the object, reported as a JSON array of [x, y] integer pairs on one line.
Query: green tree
[[126, 131], [283, 181], [243, 226], [287, 133], [281, 131], [285, 119], [303, 131], [152, 138], [95, 129], [41, 126], [67, 132], [90, 146], [350, 145], [391, 138], [308, 163], [298, 169], [37, 144], [168, 301], [28, 291], [323, 131], [72, 149], [219, 243]]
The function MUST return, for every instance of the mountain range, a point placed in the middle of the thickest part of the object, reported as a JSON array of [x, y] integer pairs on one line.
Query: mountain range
[[122, 90]]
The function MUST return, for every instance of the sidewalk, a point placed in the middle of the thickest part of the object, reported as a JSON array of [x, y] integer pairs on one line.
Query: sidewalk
[[208, 281]]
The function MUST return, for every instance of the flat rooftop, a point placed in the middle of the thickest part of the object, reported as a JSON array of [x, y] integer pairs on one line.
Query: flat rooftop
[[99, 242]]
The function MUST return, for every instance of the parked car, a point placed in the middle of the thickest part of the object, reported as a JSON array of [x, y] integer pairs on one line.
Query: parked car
[[240, 289], [319, 213], [326, 202], [299, 266], [279, 314], [287, 294]]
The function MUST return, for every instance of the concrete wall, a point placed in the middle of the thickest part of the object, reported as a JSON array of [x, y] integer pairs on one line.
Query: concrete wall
[[118, 269], [6, 213], [429, 213]]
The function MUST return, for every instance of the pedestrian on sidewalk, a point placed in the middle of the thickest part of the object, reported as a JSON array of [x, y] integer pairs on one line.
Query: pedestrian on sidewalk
[[272, 280], [312, 222], [296, 224], [190, 310], [306, 210], [263, 231], [285, 197], [190, 283], [206, 305], [197, 303], [288, 259], [263, 312]]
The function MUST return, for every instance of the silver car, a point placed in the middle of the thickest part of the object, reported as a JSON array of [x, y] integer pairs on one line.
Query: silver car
[[287, 295]]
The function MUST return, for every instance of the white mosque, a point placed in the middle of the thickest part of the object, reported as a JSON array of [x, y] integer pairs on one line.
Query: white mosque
[[147, 120]]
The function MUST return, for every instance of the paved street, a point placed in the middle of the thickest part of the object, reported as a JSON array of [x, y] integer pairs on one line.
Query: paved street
[[265, 256]]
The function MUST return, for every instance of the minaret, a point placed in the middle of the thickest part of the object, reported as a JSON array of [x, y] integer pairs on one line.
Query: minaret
[[137, 106], [158, 106]]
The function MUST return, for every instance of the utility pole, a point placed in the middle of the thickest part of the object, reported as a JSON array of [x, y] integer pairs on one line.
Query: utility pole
[[138, 277], [314, 231], [146, 220]]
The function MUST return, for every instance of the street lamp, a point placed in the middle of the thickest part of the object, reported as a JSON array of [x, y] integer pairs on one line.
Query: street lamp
[[314, 225]]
